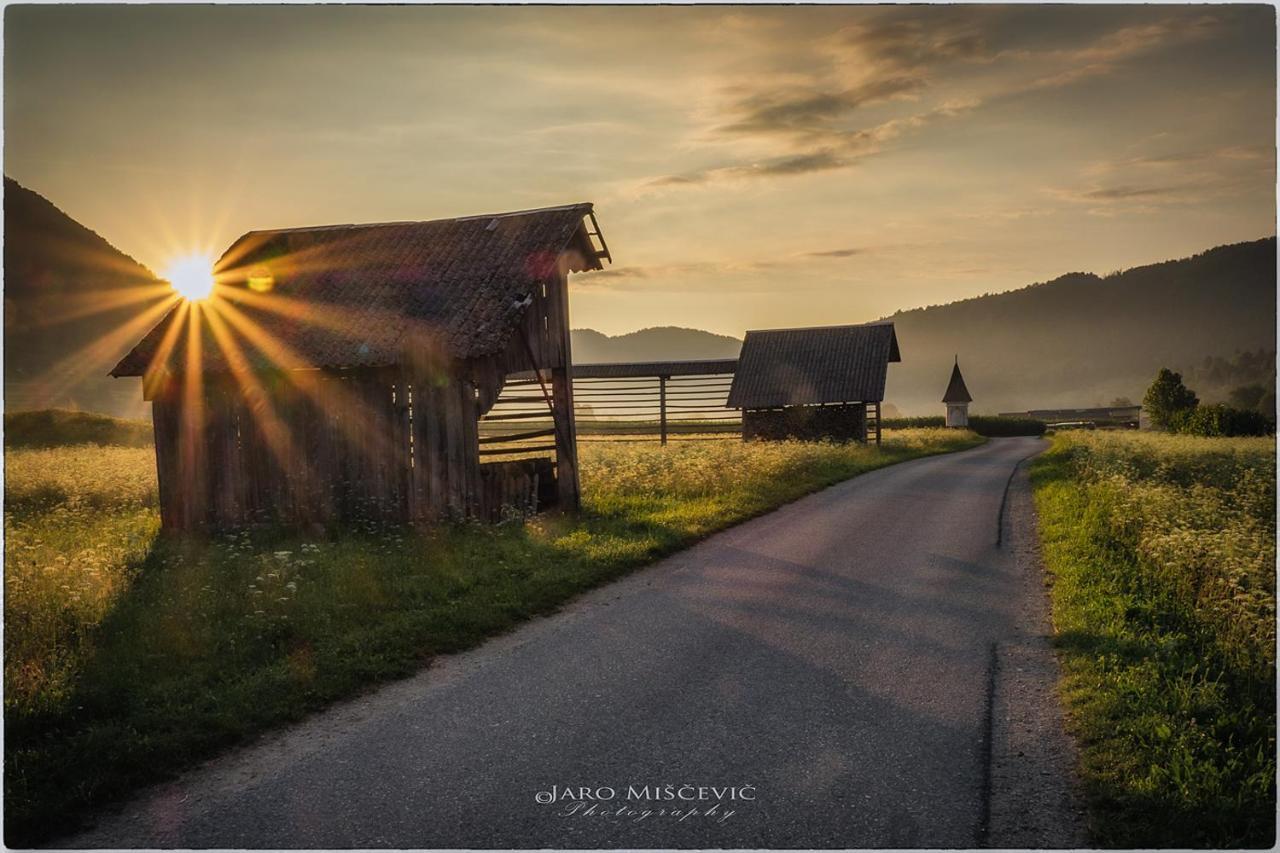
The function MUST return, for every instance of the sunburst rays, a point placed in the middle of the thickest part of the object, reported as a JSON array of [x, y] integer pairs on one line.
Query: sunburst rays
[[228, 342], [250, 386], [105, 300], [359, 428], [67, 372]]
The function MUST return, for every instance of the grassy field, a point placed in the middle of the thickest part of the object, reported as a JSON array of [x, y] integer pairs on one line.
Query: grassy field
[[128, 656], [1161, 551]]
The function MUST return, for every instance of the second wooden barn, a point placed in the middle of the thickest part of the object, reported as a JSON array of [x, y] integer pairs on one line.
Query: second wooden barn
[[813, 383], [338, 373]]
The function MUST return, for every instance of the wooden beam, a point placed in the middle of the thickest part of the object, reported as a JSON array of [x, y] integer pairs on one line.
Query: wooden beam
[[662, 408], [513, 451], [518, 436], [569, 492], [567, 484]]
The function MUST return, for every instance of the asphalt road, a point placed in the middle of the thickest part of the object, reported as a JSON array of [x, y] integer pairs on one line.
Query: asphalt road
[[832, 665]]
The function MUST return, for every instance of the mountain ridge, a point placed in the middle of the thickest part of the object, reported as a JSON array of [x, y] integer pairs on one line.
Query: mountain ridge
[[1095, 335], [1075, 340], [589, 345], [67, 294]]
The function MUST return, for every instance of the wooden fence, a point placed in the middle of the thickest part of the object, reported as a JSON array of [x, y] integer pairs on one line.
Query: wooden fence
[[636, 401]]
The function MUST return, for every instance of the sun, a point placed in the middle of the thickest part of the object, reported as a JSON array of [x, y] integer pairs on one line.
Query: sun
[[191, 276]]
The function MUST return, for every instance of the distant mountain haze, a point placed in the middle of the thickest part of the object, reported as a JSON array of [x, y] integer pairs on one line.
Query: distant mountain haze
[[662, 343], [69, 298], [1082, 340], [1079, 340]]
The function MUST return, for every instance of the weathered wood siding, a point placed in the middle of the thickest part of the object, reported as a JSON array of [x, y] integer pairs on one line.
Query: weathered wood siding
[[847, 422], [390, 444]]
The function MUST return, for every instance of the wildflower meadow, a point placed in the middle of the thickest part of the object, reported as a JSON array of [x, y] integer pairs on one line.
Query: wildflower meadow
[[1161, 551], [130, 655]]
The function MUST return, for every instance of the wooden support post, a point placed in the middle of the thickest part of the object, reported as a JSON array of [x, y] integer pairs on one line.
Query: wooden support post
[[164, 421], [403, 448], [877, 423], [192, 461], [570, 494], [662, 408]]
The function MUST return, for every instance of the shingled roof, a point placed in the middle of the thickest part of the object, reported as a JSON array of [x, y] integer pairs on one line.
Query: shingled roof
[[462, 282], [956, 391], [823, 364]]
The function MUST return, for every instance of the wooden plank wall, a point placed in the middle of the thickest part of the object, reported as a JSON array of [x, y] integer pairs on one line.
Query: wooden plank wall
[[391, 445], [309, 448]]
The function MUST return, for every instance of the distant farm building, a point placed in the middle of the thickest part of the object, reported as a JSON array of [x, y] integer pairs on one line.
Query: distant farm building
[[820, 382], [1127, 417], [957, 398], [339, 372]]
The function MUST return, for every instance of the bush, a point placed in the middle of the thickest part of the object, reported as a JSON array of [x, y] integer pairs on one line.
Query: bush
[[1249, 397], [1220, 420], [994, 426], [931, 422], [62, 427], [985, 425], [1168, 399]]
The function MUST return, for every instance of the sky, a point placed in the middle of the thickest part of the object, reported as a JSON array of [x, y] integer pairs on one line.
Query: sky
[[751, 167]]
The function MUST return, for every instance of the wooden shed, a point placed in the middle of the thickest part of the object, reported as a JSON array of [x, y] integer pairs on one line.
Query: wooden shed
[[819, 382], [338, 373]]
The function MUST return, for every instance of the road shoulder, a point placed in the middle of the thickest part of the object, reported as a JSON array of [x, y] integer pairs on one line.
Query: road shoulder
[[1035, 799]]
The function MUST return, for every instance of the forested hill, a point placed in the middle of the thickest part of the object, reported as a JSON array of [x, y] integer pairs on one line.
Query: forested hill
[[661, 343], [1081, 339], [69, 297]]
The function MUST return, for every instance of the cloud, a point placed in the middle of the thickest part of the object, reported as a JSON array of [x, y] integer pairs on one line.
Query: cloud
[[822, 151], [811, 122], [798, 164], [1126, 199], [1123, 193], [798, 110], [1145, 181], [835, 253], [1108, 53], [1126, 193], [1220, 158], [623, 277], [1131, 41], [906, 39]]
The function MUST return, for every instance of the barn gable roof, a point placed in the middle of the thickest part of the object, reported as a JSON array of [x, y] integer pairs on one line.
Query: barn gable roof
[[823, 364], [956, 390], [359, 291]]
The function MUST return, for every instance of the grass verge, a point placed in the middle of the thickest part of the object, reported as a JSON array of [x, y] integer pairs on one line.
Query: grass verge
[[129, 657], [1161, 551]]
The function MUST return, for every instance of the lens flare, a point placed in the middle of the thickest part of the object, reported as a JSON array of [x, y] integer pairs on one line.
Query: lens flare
[[191, 277]]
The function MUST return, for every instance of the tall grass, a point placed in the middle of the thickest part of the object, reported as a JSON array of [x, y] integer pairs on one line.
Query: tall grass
[[129, 656], [78, 523], [1162, 554]]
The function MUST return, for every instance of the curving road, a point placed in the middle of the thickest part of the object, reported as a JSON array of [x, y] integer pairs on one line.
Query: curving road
[[830, 673]]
